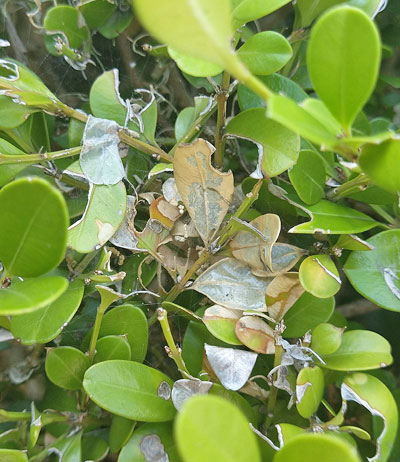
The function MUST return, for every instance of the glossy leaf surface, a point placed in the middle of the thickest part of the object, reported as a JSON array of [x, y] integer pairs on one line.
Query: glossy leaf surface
[[131, 390], [33, 227], [375, 274], [201, 434], [319, 276]]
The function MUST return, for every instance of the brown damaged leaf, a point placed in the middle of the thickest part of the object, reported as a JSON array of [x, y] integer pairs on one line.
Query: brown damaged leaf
[[205, 191], [250, 248], [282, 294], [256, 334], [280, 259], [164, 212]]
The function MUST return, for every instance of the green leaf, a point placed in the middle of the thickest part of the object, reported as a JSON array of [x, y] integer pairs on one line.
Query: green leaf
[[277, 83], [31, 294], [65, 367], [131, 390], [307, 313], [296, 118], [352, 242], [309, 390], [94, 448], [376, 397], [375, 274], [249, 10], [360, 350], [308, 177], [331, 218], [103, 215], [326, 338], [116, 23], [130, 321], [105, 100], [12, 455], [221, 322], [44, 324], [194, 66], [33, 227], [198, 28], [149, 441], [265, 53], [112, 347], [345, 75], [69, 448], [10, 171], [66, 19], [201, 432], [188, 116], [313, 447], [319, 276], [279, 147], [13, 114], [120, 431], [96, 12], [380, 163]]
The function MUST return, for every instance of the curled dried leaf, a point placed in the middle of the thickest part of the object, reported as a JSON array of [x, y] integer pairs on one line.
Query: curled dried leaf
[[206, 192], [282, 294], [232, 367], [164, 212], [250, 248]]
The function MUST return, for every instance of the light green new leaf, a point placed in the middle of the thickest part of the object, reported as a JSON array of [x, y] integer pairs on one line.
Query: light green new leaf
[[249, 10], [105, 100], [33, 227], [309, 390], [279, 146], [381, 163], [201, 432], [31, 294], [314, 447], [103, 215], [331, 218], [265, 53], [319, 276], [149, 439], [130, 321], [376, 397], [112, 347], [360, 350], [326, 338], [308, 176], [44, 324], [12, 455], [198, 28], [65, 367], [307, 313], [299, 120], [345, 75], [375, 274], [194, 66], [130, 390], [221, 322]]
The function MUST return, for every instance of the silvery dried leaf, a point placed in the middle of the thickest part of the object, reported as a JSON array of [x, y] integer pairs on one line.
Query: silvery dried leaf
[[183, 389], [232, 367], [100, 160], [125, 236], [231, 284]]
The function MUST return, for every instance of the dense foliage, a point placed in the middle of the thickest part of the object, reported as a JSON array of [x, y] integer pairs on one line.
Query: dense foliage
[[199, 262]]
